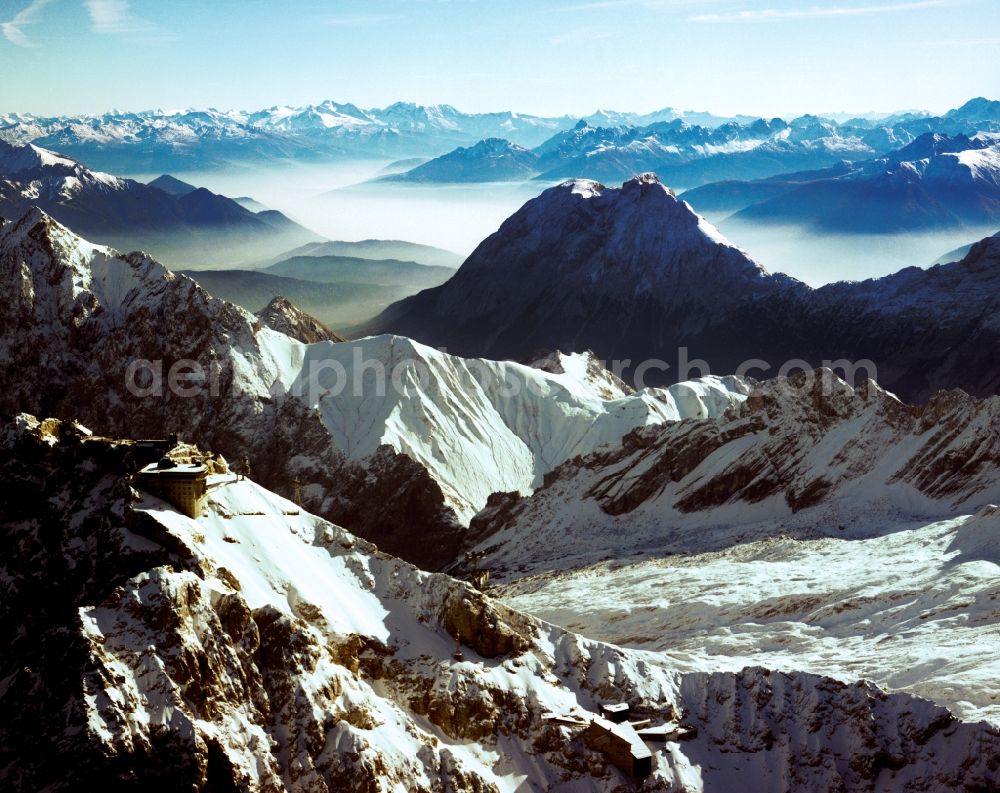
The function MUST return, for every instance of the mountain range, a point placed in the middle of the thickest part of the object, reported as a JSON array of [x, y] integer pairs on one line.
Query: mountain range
[[333, 268], [937, 181], [194, 139], [690, 154], [440, 433], [490, 160], [792, 530], [380, 250], [635, 275], [754, 551], [342, 289], [342, 292], [176, 222], [606, 506], [623, 144]]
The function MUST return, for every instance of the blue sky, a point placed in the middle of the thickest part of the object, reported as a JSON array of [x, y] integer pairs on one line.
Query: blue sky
[[761, 57]]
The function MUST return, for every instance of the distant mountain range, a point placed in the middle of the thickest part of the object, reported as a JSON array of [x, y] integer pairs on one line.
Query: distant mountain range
[[399, 250], [635, 275], [331, 269], [341, 291], [937, 181], [624, 144], [490, 160], [168, 216], [337, 305], [691, 154], [189, 140]]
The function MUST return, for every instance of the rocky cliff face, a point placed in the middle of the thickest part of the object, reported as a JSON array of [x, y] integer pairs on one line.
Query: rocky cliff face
[[635, 275], [151, 650]]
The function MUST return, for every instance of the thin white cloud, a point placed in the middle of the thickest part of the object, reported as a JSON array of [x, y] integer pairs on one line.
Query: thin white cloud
[[13, 30], [114, 16], [765, 14]]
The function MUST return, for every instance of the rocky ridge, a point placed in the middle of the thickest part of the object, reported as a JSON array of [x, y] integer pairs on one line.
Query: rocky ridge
[[795, 447], [281, 316], [200, 653]]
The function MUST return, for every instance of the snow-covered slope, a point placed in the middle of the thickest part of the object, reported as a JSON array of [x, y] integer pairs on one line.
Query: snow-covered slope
[[914, 609], [44, 171], [795, 452], [261, 648], [815, 527], [475, 426], [479, 426]]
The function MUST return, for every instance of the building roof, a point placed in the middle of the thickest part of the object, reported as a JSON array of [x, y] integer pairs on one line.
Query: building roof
[[624, 732], [182, 469]]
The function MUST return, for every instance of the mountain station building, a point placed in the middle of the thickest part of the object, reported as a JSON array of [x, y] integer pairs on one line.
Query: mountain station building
[[185, 486]]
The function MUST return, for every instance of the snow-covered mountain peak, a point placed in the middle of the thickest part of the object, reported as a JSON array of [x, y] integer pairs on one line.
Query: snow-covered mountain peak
[[496, 146], [37, 242], [649, 178], [642, 230], [33, 162], [590, 188], [63, 283], [582, 265], [18, 159]]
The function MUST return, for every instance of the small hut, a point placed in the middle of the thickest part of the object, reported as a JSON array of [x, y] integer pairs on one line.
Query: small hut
[[617, 712]]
